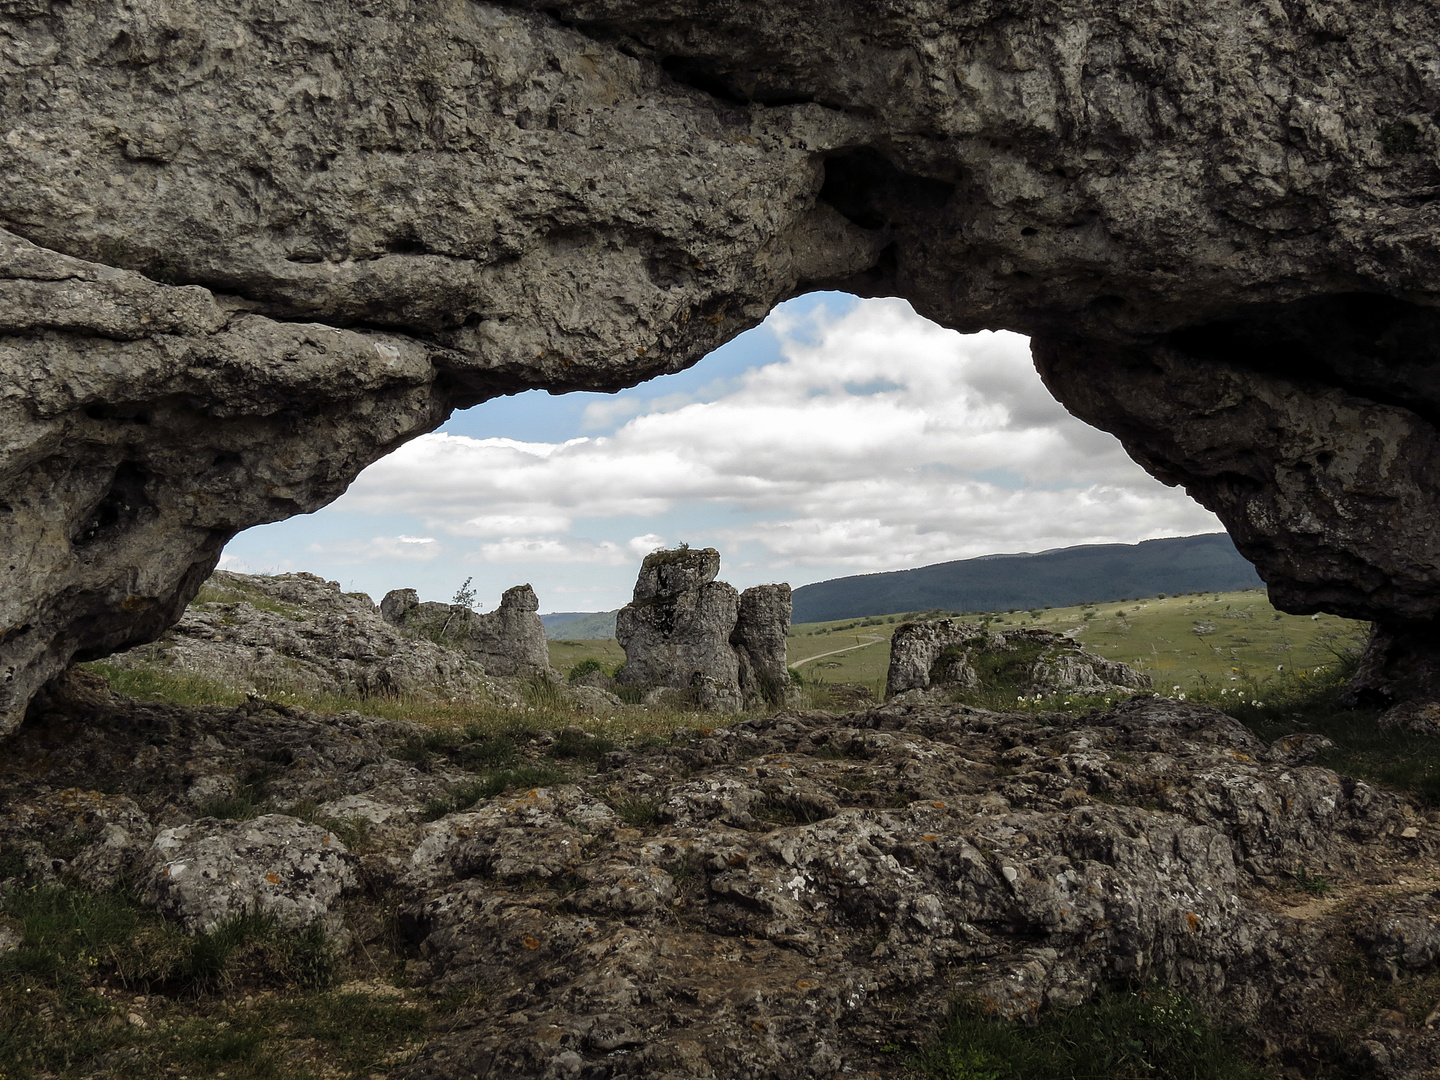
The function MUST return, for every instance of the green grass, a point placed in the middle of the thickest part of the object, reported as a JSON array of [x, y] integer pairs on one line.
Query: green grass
[[565, 655], [214, 592], [1156, 634], [147, 684], [1155, 1034], [490, 784], [250, 999], [545, 707], [638, 811]]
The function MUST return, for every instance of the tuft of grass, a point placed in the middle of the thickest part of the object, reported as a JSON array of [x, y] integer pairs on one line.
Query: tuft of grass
[[464, 796], [778, 810], [1314, 884], [1152, 1033], [637, 810], [249, 801], [575, 744], [543, 693]]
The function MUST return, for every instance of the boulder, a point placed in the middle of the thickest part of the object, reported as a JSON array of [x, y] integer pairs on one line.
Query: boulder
[[508, 641], [210, 871], [685, 631], [943, 654]]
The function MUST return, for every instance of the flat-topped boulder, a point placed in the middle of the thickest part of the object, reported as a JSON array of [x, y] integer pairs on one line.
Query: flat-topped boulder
[[946, 655]]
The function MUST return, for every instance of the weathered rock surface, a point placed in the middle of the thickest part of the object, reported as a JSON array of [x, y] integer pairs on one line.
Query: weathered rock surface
[[306, 636], [803, 890], [942, 654], [686, 631], [1407, 938], [209, 872], [507, 641], [248, 248]]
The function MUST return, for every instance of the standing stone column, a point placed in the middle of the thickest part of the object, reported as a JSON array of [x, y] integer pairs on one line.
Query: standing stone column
[[759, 642], [676, 631]]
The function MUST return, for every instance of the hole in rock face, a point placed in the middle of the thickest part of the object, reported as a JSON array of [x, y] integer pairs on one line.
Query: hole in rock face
[[867, 188], [701, 74], [113, 412], [119, 508], [842, 437]]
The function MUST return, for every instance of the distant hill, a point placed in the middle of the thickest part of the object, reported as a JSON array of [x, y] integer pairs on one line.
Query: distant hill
[[1076, 575], [579, 625]]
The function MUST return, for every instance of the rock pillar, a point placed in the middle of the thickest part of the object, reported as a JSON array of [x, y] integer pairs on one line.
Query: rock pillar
[[686, 631]]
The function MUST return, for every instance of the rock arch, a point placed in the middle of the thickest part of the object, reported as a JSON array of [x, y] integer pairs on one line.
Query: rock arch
[[251, 246]]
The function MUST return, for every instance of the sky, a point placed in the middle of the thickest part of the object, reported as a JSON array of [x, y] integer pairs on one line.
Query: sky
[[842, 436]]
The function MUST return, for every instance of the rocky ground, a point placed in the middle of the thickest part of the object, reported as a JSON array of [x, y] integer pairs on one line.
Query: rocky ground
[[800, 895]]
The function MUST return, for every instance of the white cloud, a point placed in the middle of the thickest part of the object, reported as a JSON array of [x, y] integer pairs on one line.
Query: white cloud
[[378, 548], [552, 549], [879, 441]]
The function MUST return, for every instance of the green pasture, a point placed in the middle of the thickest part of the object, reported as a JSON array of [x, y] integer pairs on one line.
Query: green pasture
[[564, 655]]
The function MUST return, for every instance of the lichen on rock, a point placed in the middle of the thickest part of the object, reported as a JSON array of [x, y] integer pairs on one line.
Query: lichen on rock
[[787, 896]]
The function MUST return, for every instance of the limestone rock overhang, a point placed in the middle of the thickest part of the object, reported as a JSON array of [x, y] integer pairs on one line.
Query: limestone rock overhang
[[248, 249]]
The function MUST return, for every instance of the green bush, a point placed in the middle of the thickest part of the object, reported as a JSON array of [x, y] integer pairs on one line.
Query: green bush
[[585, 667]]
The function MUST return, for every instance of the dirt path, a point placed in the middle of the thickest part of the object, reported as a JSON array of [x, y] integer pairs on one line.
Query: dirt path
[[833, 652]]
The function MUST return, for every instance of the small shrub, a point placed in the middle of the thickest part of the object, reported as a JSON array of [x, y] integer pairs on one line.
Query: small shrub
[[588, 666], [1400, 137]]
